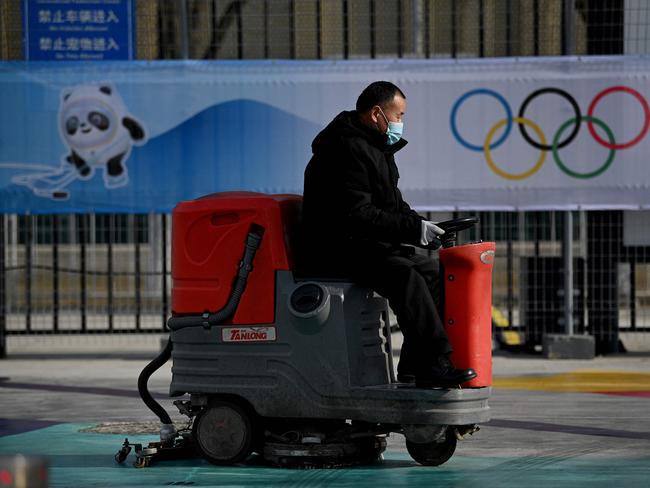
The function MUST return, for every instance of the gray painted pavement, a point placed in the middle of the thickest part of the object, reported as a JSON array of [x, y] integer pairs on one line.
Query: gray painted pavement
[[94, 383]]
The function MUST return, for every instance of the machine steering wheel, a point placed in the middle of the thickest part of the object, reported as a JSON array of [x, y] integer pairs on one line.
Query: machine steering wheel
[[451, 227], [456, 225]]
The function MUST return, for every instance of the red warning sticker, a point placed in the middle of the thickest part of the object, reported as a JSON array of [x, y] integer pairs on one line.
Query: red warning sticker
[[248, 334]]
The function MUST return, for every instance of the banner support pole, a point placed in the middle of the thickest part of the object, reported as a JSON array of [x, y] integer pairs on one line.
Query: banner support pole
[[568, 345], [568, 49]]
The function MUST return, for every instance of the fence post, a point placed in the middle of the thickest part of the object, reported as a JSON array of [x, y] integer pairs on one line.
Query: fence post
[[3, 293], [29, 234], [185, 41], [346, 30], [109, 271], [509, 264], [319, 34], [138, 224], [55, 273], [567, 254], [568, 28], [373, 33], [419, 26], [83, 299], [165, 303]]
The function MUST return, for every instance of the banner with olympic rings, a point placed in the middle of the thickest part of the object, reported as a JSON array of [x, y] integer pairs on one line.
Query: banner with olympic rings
[[529, 134], [608, 163], [493, 134]]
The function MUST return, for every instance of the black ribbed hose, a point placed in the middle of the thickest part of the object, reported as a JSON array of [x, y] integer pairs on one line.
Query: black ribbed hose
[[146, 373], [253, 241], [245, 267]]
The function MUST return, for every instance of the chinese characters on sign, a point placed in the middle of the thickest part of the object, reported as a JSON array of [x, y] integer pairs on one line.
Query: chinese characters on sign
[[78, 30]]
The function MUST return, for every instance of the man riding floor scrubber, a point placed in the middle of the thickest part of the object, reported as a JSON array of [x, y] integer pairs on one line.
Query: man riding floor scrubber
[[299, 369]]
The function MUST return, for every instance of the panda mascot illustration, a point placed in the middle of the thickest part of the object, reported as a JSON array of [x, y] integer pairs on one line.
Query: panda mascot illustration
[[95, 125]]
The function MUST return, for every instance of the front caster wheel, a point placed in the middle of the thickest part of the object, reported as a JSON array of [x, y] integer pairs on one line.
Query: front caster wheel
[[223, 433], [433, 453], [122, 454]]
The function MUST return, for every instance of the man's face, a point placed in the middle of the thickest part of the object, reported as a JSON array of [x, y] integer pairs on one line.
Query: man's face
[[393, 110]]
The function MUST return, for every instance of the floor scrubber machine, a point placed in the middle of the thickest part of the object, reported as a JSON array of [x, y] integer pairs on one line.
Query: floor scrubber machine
[[299, 369]]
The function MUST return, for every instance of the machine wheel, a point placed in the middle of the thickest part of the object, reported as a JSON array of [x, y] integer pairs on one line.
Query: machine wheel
[[122, 454], [223, 433], [433, 453]]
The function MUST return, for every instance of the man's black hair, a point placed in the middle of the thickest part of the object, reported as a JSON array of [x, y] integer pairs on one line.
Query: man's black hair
[[377, 93]]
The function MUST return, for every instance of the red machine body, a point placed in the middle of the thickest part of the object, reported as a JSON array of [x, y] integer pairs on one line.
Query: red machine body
[[207, 246], [468, 307]]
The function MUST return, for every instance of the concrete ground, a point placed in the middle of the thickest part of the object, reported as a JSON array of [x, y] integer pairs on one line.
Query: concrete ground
[[554, 423]]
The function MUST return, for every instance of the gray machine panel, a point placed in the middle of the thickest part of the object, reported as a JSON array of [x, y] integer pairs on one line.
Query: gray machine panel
[[331, 363]]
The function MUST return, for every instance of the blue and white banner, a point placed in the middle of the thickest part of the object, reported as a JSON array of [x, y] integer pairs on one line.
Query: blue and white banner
[[79, 30], [500, 134]]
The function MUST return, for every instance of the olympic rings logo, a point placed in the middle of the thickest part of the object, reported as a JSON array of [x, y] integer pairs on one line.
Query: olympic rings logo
[[559, 141]]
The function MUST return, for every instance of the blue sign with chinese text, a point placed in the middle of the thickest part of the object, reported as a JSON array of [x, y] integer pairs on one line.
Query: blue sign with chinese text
[[78, 30]]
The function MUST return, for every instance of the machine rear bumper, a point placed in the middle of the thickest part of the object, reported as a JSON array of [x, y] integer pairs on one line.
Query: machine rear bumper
[[406, 404]]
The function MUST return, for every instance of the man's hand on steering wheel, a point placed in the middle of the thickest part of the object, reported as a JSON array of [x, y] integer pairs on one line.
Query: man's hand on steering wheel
[[430, 233]]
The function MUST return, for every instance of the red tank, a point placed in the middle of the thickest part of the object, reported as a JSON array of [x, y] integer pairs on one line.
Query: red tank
[[208, 240], [468, 307]]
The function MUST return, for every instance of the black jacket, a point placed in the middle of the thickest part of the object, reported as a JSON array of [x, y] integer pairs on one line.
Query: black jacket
[[351, 204]]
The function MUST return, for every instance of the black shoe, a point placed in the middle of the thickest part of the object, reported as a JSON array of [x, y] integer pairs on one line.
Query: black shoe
[[444, 374]]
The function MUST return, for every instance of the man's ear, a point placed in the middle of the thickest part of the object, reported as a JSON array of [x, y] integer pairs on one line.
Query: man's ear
[[374, 114]]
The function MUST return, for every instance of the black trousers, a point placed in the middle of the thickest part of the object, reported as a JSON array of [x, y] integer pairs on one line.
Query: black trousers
[[412, 286]]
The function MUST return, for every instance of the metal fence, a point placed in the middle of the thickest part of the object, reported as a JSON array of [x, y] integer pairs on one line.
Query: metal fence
[[336, 29], [99, 274], [610, 279], [72, 274], [610, 276]]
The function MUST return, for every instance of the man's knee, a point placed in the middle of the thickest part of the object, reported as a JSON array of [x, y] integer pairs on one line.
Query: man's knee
[[425, 265], [399, 279]]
